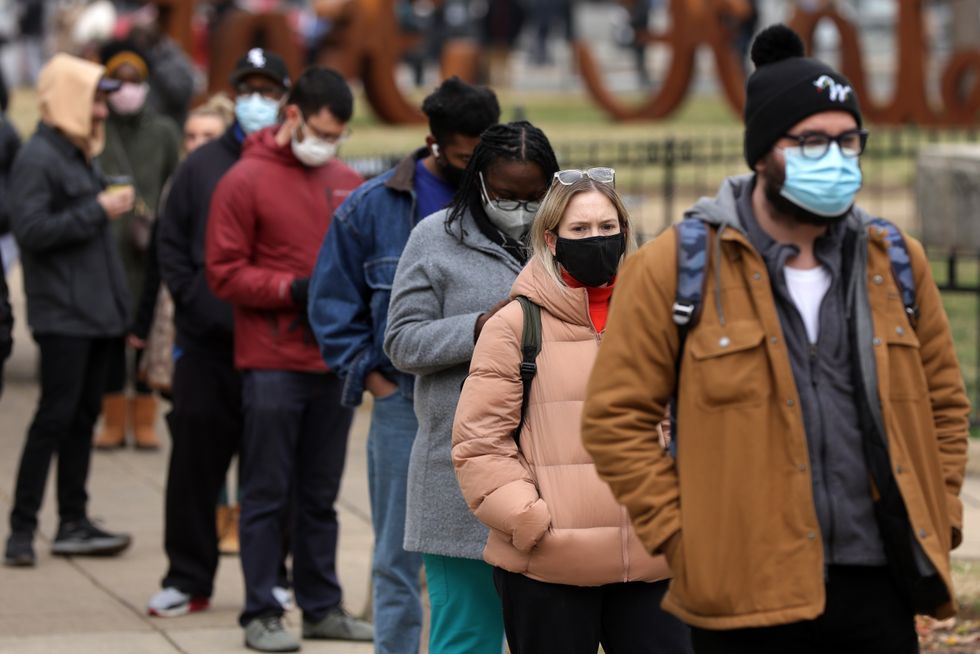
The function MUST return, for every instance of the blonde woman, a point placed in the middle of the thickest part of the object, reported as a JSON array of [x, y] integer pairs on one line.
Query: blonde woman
[[569, 570]]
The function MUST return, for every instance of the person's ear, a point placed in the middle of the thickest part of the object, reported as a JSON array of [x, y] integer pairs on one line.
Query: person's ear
[[293, 117], [551, 240]]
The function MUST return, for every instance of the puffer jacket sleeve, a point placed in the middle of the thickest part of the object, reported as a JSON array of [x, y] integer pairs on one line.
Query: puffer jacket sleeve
[[492, 474], [232, 272], [950, 406], [630, 386]]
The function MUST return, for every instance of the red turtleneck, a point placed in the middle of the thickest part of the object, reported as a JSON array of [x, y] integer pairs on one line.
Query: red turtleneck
[[598, 299]]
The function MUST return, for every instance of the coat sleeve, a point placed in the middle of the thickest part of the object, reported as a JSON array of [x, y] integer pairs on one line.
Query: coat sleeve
[[229, 248], [419, 340], [36, 227], [339, 303], [950, 406], [492, 474], [179, 270], [629, 389]]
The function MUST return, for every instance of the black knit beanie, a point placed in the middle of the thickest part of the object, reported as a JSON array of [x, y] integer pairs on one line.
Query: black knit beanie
[[785, 88]]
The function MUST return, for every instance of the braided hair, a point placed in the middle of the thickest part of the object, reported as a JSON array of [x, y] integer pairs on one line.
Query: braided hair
[[517, 141]]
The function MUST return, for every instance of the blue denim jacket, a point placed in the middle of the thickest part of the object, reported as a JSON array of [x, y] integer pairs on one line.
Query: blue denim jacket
[[351, 284]]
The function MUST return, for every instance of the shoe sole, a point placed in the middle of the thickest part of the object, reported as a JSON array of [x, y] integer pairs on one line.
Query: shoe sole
[[20, 562], [88, 549], [248, 645], [193, 606]]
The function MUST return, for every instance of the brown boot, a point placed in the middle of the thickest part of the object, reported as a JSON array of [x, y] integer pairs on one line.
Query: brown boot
[[228, 543], [113, 431], [144, 417]]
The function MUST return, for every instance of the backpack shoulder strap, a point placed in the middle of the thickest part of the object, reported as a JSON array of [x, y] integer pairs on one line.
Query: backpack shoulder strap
[[692, 256], [901, 263], [530, 348]]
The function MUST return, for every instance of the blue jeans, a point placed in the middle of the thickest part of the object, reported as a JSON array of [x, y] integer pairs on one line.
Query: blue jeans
[[294, 441], [394, 572]]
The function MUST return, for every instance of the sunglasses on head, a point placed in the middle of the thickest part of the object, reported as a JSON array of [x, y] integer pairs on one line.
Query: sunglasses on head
[[572, 175]]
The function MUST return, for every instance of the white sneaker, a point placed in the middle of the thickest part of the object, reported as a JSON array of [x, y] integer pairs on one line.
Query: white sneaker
[[171, 603], [284, 597]]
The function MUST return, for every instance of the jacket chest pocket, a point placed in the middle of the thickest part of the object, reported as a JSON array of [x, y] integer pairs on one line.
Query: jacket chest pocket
[[76, 188], [730, 364], [906, 378], [378, 275]]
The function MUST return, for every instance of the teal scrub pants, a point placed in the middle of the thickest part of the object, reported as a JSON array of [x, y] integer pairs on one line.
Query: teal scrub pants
[[466, 612]]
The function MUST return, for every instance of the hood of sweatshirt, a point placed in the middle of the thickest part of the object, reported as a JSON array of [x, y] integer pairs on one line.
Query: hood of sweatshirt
[[66, 95]]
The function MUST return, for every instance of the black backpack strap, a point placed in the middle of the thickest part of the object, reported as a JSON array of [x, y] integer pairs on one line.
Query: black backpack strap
[[530, 348], [898, 254]]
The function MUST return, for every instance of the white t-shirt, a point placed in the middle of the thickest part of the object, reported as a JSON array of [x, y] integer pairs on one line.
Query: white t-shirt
[[807, 288]]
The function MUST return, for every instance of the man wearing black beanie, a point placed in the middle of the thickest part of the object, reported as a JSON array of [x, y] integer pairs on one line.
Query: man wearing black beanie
[[821, 418]]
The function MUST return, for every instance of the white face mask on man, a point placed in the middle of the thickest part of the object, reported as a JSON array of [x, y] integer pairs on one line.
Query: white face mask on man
[[312, 151], [512, 217]]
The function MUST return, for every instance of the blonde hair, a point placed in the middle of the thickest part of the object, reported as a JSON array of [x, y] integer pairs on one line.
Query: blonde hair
[[553, 209], [219, 106]]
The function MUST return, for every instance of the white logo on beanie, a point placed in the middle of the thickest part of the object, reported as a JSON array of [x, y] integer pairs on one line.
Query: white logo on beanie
[[256, 57], [838, 92]]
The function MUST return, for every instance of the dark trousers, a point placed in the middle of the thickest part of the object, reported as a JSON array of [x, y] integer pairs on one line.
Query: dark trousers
[[73, 372], [864, 614], [625, 618], [123, 367], [294, 443], [206, 429]]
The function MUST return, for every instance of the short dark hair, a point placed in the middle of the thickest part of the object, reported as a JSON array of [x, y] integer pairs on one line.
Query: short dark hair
[[517, 141], [322, 88], [456, 107]]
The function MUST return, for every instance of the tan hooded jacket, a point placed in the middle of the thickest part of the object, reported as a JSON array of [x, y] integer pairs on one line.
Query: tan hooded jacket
[[66, 94], [550, 516]]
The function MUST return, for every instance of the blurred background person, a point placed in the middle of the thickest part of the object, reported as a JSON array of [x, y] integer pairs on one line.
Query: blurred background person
[[143, 148], [77, 300]]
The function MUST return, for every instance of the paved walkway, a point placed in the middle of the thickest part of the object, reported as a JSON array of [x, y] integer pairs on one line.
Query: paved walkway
[[96, 606]]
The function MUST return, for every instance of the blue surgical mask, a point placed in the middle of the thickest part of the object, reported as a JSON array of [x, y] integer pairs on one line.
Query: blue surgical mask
[[826, 186], [255, 112]]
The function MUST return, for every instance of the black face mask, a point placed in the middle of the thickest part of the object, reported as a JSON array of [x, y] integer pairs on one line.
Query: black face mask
[[592, 261], [450, 173]]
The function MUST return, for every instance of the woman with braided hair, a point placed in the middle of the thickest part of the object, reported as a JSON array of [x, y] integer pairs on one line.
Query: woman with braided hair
[[456, 272]]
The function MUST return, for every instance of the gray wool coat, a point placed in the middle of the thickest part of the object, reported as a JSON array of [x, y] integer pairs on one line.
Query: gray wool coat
[[442, 285]]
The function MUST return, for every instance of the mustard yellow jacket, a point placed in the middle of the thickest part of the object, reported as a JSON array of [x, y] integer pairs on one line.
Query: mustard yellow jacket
[[740, 493]]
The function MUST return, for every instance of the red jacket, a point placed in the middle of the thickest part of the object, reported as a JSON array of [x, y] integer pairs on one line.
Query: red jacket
[[269, 215]]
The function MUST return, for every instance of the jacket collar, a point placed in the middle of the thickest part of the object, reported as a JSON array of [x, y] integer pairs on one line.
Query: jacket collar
[[403, 179], [230, 141], [570, 305], [467, 232], [59, 141]]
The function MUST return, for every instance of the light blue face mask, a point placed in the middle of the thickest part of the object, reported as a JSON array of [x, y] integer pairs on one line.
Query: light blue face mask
[[826, 186], [255, 112]]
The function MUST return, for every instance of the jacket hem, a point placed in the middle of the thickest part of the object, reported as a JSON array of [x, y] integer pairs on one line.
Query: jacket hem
[[743, 620]]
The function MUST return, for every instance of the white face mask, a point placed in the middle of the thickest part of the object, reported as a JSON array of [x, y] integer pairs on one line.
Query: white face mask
[[313, 151], [514, 222]]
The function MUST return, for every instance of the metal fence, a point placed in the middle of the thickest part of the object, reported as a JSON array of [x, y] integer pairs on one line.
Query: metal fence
[[660, 178]]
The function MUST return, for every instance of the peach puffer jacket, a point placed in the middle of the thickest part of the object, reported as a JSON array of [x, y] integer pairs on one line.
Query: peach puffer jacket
[[550, 516]]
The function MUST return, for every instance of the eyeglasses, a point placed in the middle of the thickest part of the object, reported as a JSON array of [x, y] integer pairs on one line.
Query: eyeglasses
[[329, 138], [572, 175], [271, 92], [531, 206], [815, 145]]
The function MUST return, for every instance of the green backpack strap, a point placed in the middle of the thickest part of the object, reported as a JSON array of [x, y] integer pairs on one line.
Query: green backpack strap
[[530, 348]]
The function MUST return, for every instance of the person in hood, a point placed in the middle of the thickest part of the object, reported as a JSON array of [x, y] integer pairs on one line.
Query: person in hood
[[569, 569], [268, 218], [77, 300], [821, 416], [349, 294], [144, 147], [456, 271], [206, 421]]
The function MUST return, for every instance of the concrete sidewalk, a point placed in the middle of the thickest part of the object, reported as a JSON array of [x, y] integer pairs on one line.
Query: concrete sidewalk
[[97, 606]]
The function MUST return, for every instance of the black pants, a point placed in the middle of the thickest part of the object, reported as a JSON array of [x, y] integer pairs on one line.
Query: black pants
[[293, 449], [123, 367], [864, 614], [206, 429], [624, 618], [73, 373]]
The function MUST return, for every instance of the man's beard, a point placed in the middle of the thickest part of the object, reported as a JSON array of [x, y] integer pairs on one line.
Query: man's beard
[[774, 176]]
